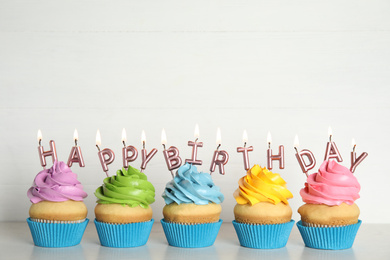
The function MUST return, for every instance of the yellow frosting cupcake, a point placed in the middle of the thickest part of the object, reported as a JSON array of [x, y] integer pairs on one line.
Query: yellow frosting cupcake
[[262, 214], [262, 198]]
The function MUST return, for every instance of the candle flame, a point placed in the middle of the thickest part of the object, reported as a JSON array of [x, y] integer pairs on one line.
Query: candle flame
[[353, 143], [163, 137], [245, 137], [75, 135], [269, 138], [124, 136], [296, 142], [196, 132], [219, 136], [39, 135], [98, 138], [143, 137]]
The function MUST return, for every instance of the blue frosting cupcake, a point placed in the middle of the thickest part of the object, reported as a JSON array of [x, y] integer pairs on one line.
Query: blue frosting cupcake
[[191, 214]]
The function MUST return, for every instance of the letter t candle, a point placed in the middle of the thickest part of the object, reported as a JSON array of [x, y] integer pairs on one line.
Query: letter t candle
[[244, 150]]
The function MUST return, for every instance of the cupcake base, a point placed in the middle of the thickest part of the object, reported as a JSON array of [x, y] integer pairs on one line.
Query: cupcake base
[[333, 238], [191, 235], [56, 234], [124, 235], [263, 236]]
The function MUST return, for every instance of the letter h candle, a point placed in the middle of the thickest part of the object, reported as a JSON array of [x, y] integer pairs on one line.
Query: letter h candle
[[43, 154]]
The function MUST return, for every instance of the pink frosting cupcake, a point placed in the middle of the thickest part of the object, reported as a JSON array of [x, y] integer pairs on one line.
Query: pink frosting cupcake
[[330, 196], [333, 185]]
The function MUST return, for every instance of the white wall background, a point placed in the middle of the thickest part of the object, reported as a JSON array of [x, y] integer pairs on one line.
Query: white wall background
[[289, 67]]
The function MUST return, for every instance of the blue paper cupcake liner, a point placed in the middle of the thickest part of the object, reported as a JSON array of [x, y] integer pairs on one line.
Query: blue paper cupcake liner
[[124, 235], [333, 238], [263, 236], [56, 234], [191, 235]]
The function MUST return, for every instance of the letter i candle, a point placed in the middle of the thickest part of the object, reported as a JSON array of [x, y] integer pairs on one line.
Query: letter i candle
[[195, 146]]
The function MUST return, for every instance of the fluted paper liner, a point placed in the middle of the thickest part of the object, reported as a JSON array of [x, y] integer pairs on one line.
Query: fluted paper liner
[[124, 235], [333, 238], [263, 236], [56, 234], [191, 236]]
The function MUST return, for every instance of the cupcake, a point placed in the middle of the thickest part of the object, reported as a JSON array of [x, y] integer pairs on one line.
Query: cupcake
[[262, 214], [329, 219], [58, 213], [123, 214], [192, 210]]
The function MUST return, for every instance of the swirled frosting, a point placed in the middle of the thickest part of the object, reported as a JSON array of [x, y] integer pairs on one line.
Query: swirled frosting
[[129, 187], [261, 185], [56, 184], [191, 186], [332, 185]]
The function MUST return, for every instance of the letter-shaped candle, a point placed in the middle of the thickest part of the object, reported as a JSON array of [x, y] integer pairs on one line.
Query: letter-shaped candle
[[106, 156], [195, 146], [146, 157], [75, 155], [331, 149], [299, 155], [244, 150], [43, 154], [224, 157], [171, 154], [278, 157], [355, 162], [125, 151]]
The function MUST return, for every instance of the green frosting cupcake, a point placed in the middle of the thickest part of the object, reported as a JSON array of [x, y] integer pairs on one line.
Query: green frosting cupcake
[[129, 187]]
